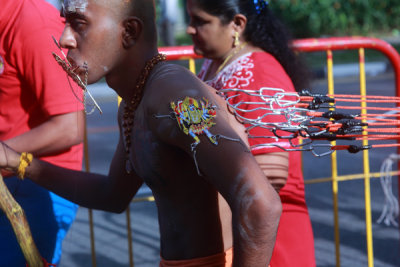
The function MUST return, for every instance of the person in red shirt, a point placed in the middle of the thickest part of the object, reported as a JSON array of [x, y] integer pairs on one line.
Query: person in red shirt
[[40, 114], [247, 49]]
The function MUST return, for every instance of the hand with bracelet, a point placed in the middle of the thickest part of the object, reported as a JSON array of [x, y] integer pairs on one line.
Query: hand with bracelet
[[10, 161]]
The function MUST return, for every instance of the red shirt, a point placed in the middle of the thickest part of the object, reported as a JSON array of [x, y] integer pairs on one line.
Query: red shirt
[[32, 85]]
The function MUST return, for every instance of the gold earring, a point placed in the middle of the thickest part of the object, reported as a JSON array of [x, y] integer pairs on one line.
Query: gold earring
[[237, 41]]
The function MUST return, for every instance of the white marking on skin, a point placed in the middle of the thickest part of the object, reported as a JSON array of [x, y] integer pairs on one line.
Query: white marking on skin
[[245, 226], [105, 68], [238, 179], [75, 5], [243, 192]]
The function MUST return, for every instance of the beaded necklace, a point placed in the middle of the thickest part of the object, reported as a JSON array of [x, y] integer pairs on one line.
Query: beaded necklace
[[237, 50], [130, 108]]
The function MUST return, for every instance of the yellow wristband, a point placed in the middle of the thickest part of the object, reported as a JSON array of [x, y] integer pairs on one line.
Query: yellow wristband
[[24, 160]]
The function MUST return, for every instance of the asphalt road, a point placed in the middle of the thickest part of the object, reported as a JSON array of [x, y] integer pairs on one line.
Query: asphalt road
[[111, 243]]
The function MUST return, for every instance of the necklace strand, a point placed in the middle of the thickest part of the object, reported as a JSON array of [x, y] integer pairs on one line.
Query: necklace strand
[[237, 50], [130, 108]]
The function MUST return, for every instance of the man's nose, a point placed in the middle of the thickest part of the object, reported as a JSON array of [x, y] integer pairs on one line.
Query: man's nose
[[67, 39]]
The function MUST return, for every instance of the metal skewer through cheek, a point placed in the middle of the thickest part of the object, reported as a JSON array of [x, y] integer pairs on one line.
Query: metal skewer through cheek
[[67, 67]]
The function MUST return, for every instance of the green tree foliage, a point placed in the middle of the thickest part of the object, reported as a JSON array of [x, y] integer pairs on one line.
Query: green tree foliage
[[315, 18]]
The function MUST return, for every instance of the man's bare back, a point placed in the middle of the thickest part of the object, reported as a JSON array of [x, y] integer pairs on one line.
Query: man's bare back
[[187, 203]]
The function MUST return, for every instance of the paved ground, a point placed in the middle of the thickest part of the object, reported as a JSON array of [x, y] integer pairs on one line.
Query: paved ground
[[110, 229]]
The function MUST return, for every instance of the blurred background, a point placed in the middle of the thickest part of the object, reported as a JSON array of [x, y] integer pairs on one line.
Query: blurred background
[[305, 18]]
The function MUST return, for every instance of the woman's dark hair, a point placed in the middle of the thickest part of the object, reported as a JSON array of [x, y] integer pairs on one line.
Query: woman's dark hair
[[263, 30]]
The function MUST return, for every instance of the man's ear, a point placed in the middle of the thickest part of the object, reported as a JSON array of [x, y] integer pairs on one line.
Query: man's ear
[[132, 29]]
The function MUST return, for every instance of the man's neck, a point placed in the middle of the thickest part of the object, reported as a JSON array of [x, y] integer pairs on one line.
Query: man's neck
[[123, 79]]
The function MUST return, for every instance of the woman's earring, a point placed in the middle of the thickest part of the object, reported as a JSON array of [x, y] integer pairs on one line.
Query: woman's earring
[[237, 41]]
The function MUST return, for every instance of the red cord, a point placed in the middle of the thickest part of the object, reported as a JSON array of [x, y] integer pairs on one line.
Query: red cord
[[46, 264]]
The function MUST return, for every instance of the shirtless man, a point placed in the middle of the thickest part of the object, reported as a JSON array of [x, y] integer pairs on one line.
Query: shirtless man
[[185, 169]]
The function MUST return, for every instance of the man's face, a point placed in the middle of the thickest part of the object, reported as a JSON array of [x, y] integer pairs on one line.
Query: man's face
[[92, 35]]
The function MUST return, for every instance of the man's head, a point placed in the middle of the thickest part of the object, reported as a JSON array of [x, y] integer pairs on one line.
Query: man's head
[[103, 34]]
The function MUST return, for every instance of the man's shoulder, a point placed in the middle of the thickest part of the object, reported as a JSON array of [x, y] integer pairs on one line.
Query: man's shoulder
[[171, 85], [171, 70], [172, 80]]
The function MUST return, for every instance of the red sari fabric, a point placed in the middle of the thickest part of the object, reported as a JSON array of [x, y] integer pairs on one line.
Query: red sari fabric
[[295, 242]]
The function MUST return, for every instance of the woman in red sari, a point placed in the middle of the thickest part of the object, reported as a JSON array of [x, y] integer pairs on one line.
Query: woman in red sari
[[246, 47]]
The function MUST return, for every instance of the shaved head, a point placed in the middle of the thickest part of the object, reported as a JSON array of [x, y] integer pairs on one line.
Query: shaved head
[[122, 9], [103, 37], [145, 10], [142, 9]]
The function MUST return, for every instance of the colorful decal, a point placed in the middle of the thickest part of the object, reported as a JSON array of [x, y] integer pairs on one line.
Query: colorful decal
[[195, 118]]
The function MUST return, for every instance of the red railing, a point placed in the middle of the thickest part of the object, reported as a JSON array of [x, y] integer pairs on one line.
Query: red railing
[[343, 43], [313, 45]]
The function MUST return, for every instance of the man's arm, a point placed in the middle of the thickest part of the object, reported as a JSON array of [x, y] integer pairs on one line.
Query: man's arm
[[58, 133], [111, 193], [254, 203]]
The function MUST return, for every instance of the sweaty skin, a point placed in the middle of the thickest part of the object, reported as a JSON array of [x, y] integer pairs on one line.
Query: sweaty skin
[[183, 199], [188, 206]]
